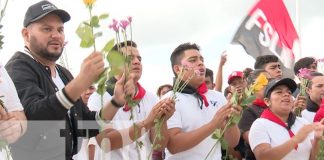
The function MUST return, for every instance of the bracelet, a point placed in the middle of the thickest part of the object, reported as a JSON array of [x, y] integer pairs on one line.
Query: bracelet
[[114, 103]]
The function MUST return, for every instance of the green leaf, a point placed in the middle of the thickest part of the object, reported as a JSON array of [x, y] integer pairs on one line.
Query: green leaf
[[129, 59], [115, 58], [84, 32], [320, 155], [86, 44], [114, 71], [104, 16], [94, 21], [101, 88], [224, 143], [109, 45], [248, 100], [133, 103], [248, 92], [116, 61], [110, 85], [217, 134], [234, 98], [86, 23], [236, 119], [101, 81], [140, 144]]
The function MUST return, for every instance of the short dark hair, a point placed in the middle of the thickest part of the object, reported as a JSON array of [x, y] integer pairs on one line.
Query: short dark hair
[[177, 53], [158, 92], [210, 73], [122, 44], [227, 91], [254, 74], [261, 61], [312, 75], [247, 71], [303, 63]]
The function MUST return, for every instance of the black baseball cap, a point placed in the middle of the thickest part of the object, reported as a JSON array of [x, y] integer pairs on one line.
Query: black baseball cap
[[41, 9], [291, 84]]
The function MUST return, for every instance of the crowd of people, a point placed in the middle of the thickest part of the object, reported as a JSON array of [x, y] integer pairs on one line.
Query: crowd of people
[[45, 111]]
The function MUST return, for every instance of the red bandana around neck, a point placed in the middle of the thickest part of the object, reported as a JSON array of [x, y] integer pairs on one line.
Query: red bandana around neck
[[267, 114], [202, 89], [138, 97], [260, 103]]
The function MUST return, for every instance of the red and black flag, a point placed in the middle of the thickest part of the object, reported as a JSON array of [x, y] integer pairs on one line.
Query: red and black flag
[[268, 29]]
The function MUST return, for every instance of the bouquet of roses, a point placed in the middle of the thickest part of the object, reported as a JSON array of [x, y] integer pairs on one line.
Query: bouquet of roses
[[242, 100], [118, 62], [179, 85], [304, 77]]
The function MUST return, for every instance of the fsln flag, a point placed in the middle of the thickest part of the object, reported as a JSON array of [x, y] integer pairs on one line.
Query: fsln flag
[[268, 29]]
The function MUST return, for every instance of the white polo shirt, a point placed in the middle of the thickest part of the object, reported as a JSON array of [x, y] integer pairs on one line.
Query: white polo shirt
[[10, 97], [188, 116], [121, 121], [9, 92], [94, 104], [266, 131], [308, 115]]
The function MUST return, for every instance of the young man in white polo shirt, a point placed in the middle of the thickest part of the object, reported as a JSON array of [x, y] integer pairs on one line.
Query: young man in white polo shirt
[[199, 111], [143, 112], [315, 93]]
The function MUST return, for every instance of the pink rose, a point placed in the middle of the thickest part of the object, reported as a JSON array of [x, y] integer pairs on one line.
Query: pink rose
[[123, 24], [130, 19], [114, 25]]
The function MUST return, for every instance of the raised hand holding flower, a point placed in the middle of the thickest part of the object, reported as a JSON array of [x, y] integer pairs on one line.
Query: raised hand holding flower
[[304, 77], [86, 32], [238, 102], [186, 73]]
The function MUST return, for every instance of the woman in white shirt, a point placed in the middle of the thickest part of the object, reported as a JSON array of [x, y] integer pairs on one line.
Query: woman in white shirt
[[278, 133]]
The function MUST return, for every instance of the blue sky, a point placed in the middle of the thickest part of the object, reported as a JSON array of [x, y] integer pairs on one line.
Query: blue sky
[[161, 25]]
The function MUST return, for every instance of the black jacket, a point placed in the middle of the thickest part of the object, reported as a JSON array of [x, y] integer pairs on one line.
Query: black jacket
[[47, 117]]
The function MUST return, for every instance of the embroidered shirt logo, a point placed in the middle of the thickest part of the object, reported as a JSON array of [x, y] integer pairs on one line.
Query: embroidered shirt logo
[[214, 103]]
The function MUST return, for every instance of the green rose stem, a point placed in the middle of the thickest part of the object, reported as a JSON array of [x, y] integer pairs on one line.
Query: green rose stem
[[92, 32], [221, 135]]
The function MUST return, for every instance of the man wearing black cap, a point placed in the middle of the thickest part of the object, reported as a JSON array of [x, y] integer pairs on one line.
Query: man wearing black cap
[[48, 91]]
